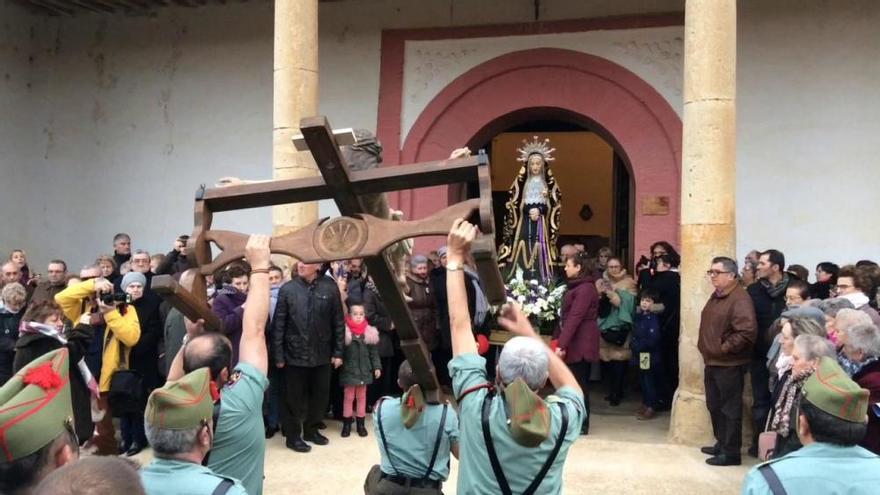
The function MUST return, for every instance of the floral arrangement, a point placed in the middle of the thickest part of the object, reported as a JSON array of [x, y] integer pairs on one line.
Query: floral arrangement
[[542, 304]]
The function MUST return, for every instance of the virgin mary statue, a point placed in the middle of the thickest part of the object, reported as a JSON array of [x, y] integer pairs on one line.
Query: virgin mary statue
[[531, 223]]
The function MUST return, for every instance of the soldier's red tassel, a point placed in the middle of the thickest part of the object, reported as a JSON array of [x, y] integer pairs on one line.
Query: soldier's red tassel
[[43, 376]]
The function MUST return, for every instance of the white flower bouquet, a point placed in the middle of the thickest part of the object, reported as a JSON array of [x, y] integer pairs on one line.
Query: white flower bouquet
[[542, 304]]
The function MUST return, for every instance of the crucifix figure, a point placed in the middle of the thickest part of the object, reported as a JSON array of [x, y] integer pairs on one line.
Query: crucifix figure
[[355, 234]]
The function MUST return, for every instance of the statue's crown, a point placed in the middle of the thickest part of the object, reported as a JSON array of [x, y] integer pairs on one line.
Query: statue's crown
[[530, 148]]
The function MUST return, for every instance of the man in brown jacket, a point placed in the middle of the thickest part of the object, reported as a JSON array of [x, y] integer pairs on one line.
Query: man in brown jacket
[[56, 281], [728, 329]]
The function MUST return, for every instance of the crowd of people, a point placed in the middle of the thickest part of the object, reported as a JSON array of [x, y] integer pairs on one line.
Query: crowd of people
[[300, 346]]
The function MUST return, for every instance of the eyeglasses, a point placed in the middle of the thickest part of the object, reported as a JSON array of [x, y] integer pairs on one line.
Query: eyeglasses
[[841, 286], [715, 273]]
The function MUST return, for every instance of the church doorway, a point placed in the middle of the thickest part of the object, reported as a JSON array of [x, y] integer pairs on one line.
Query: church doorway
[[593, 179], [553, 85]]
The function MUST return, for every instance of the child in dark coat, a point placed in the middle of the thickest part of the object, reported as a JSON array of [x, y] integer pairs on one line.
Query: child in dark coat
[[646, 351], [360, 365]]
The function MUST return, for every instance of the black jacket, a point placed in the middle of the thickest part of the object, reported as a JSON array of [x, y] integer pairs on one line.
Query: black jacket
[[377, 315], [768, 307], [173, 264], [31, 346], [144, 357], [309, 326], [438, 284], [8, 336]]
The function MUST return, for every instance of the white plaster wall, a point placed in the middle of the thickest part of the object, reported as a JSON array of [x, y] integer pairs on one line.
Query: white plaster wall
[[18, 131], [654, 54], [808, 152], [117, 119]]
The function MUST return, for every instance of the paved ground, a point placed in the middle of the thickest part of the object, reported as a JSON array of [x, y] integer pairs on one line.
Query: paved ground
[[621, 455]]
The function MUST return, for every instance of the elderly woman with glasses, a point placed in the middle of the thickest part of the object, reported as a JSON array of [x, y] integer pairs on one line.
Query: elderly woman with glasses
[[862, 347]]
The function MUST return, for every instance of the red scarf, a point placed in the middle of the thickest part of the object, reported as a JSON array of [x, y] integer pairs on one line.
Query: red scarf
[[356, 328]]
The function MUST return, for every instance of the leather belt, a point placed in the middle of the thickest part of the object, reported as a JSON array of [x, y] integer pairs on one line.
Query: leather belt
[[410, 482]]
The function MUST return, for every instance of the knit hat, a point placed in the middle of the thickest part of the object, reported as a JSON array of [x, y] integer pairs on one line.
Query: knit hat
[[442, 251], [133, 278], [183, 404], [529, 417], [832, 391], [35, 406], [806, 312]]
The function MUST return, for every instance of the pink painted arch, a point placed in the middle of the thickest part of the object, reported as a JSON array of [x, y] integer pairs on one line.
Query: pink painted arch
[[622, 107]]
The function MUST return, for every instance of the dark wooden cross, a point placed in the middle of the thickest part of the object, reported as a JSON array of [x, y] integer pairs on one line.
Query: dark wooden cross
[[355, 234]]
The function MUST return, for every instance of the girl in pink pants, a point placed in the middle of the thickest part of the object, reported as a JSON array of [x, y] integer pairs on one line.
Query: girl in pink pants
[[360, 365]]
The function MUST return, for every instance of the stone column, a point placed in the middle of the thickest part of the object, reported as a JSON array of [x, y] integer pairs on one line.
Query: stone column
[[708, 191], [295, 96]]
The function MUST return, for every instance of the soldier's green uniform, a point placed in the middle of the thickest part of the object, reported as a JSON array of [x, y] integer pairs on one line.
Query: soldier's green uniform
[[824, 468], [239, 443], [184, 404], [520, 464], [411, 448], [35, 410]]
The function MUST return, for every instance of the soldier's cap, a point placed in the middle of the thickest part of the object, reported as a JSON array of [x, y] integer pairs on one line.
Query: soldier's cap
[[183, 404], [529, 418], [832, 391], [35, 406], [412, 404]]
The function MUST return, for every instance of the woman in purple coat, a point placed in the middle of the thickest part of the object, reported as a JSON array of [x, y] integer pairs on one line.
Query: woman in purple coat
[[578, 334], [228, 304]]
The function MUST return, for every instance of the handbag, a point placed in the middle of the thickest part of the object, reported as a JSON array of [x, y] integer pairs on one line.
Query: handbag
[[767, 441], [126, 389], [616, 335]]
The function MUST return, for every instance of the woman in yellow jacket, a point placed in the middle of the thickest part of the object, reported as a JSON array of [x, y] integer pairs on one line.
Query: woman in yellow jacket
[[82, 304]]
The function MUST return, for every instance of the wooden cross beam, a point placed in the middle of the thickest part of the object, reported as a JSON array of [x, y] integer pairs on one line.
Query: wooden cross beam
[[356, 234]]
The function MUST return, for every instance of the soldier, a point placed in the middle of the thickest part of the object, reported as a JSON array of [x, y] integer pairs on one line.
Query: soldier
[[415, 440], [831, 422], [239, 446], [36, 423], [512, 440], [180, 428]]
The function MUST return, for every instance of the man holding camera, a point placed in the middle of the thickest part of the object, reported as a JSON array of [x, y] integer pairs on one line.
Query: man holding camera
[[94, 302], [176, 260]]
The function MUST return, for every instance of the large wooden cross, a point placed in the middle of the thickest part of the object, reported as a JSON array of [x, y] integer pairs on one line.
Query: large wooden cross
[[355, 234]]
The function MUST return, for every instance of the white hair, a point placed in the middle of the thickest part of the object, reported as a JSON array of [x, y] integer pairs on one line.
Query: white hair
[[812, 347], [526, 358], [171, 442], [847, 318], [864, 338]]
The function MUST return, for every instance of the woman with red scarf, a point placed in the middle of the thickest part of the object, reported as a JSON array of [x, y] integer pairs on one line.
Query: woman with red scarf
[[360, 366]]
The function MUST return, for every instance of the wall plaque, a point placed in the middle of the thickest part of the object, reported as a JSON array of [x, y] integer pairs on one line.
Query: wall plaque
[[655, 205]]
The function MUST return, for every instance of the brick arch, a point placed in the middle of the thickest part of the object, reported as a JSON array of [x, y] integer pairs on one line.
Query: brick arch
[[622, 107]]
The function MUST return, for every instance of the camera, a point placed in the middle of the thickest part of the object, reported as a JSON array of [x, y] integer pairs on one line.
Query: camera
[[115, 298]]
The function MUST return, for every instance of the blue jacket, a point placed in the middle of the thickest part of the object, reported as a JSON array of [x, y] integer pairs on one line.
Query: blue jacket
[[646, 332]]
